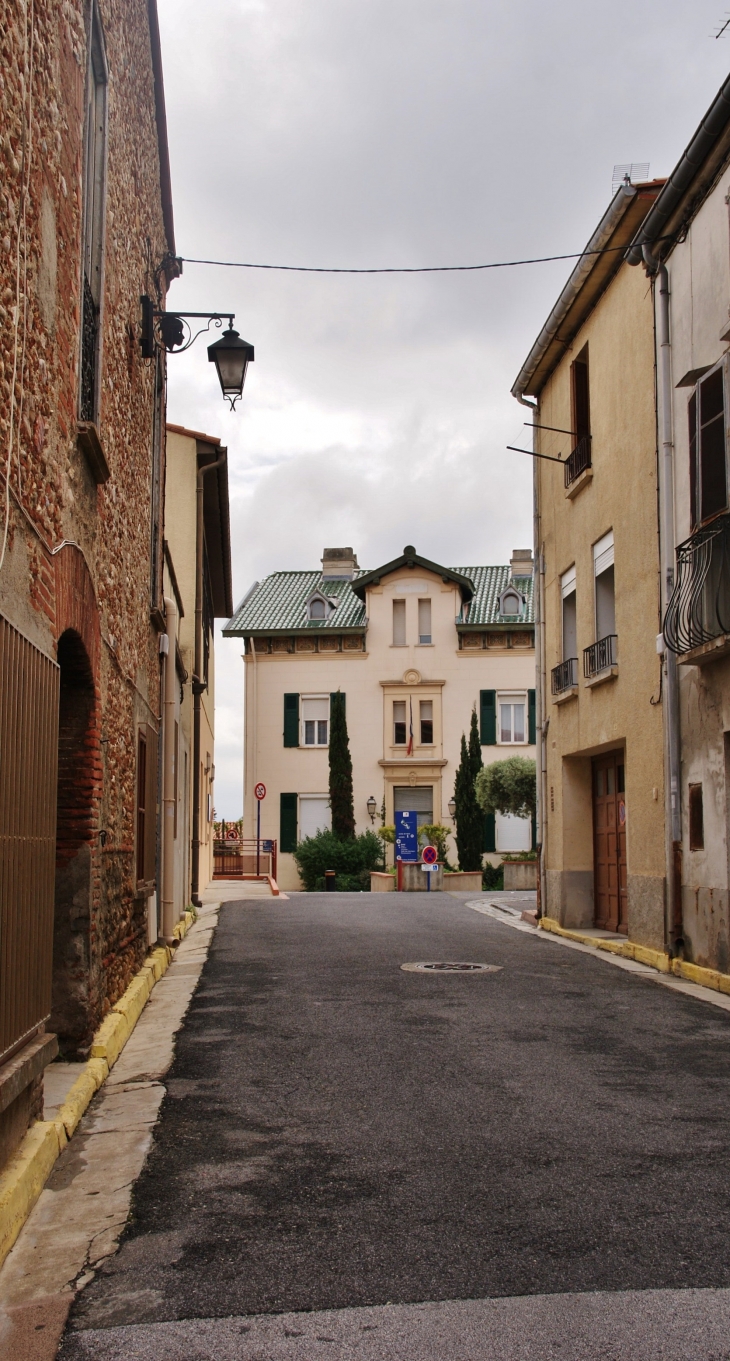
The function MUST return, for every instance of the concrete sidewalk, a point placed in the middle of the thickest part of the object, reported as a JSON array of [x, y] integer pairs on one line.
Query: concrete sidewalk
[[80, 1214]]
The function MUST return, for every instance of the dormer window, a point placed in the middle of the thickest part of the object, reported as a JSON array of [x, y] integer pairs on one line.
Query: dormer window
[[319, 608], [511, 602]]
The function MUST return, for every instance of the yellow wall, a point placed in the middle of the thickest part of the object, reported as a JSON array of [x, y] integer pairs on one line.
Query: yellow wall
[[621, 496]]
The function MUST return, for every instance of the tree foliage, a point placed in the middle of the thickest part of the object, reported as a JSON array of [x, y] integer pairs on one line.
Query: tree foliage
[[341, 802], [468, 815], [508, 787], [351, 858]]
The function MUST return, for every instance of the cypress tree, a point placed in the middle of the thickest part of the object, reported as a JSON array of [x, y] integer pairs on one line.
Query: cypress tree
[[468, 815], [341, 802]]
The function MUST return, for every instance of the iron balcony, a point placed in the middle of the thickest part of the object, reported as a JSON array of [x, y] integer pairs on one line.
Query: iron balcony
[[600, 656], [699, 609], [578, 461], [564, 676]]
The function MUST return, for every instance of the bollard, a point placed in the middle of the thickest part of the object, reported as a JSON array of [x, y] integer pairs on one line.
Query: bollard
[[329, 880]]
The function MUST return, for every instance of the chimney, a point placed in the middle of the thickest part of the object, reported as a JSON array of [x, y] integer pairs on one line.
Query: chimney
[[520, 564], [338, 564]]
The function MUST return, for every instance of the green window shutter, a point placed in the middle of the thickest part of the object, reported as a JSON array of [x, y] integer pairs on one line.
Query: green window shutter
[[291, 721], [531, 717], [488, 718], [344, 700], [287, 822], [490, 843]]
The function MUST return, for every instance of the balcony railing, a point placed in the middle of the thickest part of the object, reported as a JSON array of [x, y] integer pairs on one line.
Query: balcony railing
[[578, 461], [600, 656], [564, 676], [699, 609]]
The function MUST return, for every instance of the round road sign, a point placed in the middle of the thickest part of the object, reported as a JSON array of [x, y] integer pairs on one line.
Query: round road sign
[[430, 855], [260, 791]]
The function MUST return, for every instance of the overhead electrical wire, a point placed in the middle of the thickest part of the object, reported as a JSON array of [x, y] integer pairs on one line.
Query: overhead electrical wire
[[405, 269]]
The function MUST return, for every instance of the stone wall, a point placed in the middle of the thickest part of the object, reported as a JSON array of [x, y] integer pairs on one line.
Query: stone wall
[[79, 559]]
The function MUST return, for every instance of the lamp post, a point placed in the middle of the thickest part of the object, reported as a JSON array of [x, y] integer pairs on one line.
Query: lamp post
[[372, 808], [171, 331], [451, 805]]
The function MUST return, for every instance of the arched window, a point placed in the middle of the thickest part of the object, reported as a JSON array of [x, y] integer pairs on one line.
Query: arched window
[[317, 609], [511, 602]]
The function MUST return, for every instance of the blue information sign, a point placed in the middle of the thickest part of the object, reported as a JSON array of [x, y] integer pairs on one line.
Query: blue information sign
[[406, 836]]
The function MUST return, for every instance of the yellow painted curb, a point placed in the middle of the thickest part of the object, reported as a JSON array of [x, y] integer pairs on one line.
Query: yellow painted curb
[[24, 1178], [655, 959], [22, 1181]]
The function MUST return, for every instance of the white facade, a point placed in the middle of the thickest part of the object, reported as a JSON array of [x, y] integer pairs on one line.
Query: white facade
[[417, 659]]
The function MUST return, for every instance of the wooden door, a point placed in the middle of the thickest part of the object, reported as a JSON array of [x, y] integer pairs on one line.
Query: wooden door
[[609, 842]]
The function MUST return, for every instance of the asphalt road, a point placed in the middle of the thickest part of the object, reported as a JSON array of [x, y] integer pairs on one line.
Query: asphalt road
[[339, 1134]]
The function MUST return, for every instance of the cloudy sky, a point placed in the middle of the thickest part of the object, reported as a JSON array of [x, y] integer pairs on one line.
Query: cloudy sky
[[397, 132]]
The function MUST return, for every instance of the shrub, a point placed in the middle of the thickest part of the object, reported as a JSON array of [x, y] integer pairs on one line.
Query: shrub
[[508, 787], [493, 877], [437, 835], [352, 860]]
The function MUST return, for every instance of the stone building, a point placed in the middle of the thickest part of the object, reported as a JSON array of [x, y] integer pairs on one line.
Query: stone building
[[413, 646], [86, 227]]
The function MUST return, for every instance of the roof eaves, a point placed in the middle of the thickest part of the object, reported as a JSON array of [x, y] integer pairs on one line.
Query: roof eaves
[[409, 558]]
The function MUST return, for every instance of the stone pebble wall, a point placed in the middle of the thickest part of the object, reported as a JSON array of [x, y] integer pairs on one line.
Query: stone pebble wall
[[55, 498]]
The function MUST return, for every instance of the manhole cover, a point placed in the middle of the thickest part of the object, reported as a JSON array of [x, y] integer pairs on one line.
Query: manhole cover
[[451, 966]]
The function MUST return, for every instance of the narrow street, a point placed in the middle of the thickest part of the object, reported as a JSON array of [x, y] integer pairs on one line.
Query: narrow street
[[339, 1134]]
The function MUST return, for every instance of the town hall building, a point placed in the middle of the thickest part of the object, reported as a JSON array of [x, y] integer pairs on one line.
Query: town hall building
[[414, 647]]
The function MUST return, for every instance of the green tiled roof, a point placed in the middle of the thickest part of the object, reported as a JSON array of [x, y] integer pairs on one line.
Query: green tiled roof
[[278, 604]]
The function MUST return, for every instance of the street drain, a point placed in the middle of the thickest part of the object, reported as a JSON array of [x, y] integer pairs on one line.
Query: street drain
[[451, 966]]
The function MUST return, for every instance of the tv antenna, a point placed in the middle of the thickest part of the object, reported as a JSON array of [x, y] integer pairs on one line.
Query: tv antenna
[[723, 27]]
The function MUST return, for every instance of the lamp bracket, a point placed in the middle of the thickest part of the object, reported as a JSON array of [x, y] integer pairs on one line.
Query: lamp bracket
[[171, 331]]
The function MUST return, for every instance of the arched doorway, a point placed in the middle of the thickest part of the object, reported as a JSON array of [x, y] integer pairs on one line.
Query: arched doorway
[[78, 748]]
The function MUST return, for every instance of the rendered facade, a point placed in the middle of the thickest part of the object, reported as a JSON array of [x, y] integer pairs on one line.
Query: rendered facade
[[414, 646], [590, 381]]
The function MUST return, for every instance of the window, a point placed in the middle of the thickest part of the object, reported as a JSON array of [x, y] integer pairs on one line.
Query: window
[[426, 722], [707, 453], [581, 397], [424, 621], [399, 623], [511, 602], [399, 722], [605, 593], [512, 833], [570, 624], [511, 718], [696, 819], [314, 814], [94, 197], [317, 609], [315, 721], [415, 799]]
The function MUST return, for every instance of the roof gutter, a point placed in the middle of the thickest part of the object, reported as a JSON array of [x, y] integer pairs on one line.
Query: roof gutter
[[600, 238], [711, 127]]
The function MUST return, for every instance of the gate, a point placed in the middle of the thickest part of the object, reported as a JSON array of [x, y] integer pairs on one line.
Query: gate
[[29, 683]]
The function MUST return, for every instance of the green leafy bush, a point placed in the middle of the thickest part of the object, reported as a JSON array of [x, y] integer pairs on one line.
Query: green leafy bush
[[493, 877], [437, 835], [508, 787], [352, 860]]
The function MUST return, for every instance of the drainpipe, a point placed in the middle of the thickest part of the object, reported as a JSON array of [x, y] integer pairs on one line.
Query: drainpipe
[[199, 685], [540, 723], [168, 778], [672, 738]]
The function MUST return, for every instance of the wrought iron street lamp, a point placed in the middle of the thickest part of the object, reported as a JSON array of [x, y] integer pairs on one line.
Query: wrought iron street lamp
[[372, 808], [172, 332], [451, 805]]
